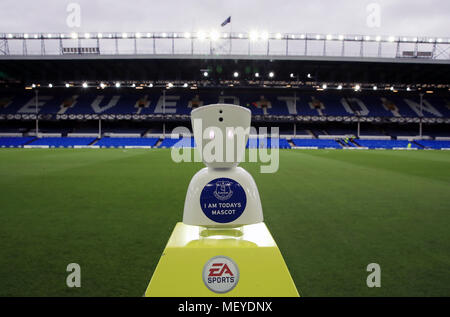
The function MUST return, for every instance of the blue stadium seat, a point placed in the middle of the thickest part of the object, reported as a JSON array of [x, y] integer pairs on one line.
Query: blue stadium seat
[[319, 143], [122, 142], [180, 142], [433, 144], [62, 141], [386, 144], [14, 141]]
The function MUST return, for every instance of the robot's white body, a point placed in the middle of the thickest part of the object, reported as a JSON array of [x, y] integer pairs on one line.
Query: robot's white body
[[222, 194], [196, 213]]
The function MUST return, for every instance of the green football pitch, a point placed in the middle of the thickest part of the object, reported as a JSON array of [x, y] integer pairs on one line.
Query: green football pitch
[[332, 212]]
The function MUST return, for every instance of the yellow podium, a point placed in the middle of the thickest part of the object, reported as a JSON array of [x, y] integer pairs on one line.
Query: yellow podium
[[236, 262]]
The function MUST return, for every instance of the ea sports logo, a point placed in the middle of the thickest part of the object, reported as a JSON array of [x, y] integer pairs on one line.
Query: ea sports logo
[[220, 274]]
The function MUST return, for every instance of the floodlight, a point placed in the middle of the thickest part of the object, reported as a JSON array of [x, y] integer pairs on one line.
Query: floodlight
[[205, 74], [33, 85], [150, 85], [391, 39], [235, 74], [124, 35], [201, 35], [324, 86], [341, 37], [256, 74], [357, 87], [102, 85], [187, 35], [67, 85], [138, 35], [271, 74], [117, 84], [339, 87], [329, 37], [278, 36], [85, 85], [317, 37], [185, 85], [99, 35], [253, 35], [169, 85], [164, 34], [214, 35], [25, 35], [87, 35], [264, 36], [378, 38], [375, 88], [50, 85]]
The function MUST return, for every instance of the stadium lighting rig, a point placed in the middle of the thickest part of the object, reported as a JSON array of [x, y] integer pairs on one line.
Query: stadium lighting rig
[[213, 35], [291, 83], [222, 236]]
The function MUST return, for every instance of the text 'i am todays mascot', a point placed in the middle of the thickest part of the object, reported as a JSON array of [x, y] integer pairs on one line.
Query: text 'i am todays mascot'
[[222, 247]]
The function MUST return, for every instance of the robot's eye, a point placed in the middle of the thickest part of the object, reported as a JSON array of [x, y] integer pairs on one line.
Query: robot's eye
[[220, 119]]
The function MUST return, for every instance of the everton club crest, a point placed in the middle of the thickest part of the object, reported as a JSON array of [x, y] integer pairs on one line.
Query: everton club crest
[[223, 190]]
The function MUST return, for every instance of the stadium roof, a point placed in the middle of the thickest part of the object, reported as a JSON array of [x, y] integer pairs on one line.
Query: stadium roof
[[286, 71], [292, 60]]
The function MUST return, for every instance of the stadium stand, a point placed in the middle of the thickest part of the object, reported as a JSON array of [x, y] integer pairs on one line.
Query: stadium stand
[[124, 105], [134, 119], [432, 144]]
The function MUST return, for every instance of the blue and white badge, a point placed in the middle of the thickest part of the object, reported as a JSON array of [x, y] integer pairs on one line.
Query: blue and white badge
[[223, 200]]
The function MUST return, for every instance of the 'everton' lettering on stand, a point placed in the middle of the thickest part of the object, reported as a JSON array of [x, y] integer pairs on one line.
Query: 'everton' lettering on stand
[[223, 200]]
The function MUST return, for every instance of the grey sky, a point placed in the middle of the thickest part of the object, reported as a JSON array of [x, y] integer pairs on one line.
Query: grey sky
[[398, 17]]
